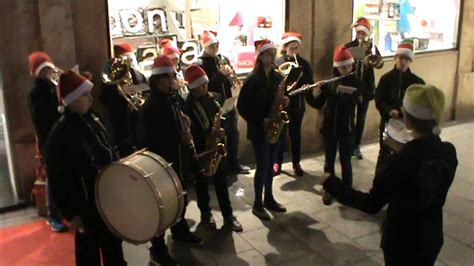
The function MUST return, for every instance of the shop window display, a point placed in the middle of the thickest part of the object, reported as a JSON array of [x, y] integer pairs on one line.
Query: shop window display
[[433, 25], [144, 23]]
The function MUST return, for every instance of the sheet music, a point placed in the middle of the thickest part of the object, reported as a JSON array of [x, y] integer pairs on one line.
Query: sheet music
[[358, 52], [229, 104]]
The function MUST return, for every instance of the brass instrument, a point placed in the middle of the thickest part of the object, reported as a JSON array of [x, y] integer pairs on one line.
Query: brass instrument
[[234, 80], [372, 59], [278, 118], [286, 67], [216, 149], [308, 87], [55, 74], [117, 72]]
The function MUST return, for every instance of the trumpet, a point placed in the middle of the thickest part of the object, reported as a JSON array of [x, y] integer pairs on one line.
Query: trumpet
[[234, 80], [117, 72]]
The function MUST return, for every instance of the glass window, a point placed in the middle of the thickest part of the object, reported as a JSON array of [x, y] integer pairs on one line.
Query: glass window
[[433, 24], [144, 23]]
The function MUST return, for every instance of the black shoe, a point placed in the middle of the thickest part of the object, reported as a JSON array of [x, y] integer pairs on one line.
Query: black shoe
[[208, 220], [357, 153], [327, 199], [272, 205], [239, 169], [261, 213], [231, 223], [188, 238], [163, 259], [57, 225]]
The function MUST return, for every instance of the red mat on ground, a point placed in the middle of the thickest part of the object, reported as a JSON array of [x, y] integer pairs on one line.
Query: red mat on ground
[[35, 244]]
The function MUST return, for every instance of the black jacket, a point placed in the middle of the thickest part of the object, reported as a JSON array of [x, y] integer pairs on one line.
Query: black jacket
[[414, 222], [202, 112], [368, 76], [43, 105], [122, 119], [391, 90], [256, 100], [218, 82], [160, 130], [77, 149], [297, 104], [340, 107]]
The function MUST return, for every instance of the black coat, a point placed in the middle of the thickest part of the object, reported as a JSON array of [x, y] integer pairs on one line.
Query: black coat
[[368, 76], [256, 100], [160, 130], [43, 105], [122, 119], [202, 112], [414, 222], [218, 82], [391, 90], [77, 149], [297, 104], [339, 112]]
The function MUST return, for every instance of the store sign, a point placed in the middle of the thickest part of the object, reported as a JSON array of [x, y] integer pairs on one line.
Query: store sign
[[132, 22]]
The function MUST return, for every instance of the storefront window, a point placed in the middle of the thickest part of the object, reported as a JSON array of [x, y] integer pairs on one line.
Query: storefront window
[[433, 25], [144, 23]]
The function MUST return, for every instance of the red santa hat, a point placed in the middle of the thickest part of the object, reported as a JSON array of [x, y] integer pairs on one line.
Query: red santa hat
[[162, 65], [263, 45], [165, 42], [123, 49], [406, 48], [209, 38], [72, 86], [291, 37], [39, 60], [362, 24], [342, 57], [195, 76], [171, 51]]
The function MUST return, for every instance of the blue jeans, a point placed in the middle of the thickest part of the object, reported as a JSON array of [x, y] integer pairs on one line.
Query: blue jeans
[[265, 155], [346, 146]]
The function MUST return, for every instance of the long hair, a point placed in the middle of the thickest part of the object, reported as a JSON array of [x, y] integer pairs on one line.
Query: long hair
[[258, 68]]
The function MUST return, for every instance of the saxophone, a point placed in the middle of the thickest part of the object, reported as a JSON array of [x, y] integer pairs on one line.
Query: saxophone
[[278, 118], [216, 150]]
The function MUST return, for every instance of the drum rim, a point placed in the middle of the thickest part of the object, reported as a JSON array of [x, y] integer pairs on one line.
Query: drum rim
[[100, 209]]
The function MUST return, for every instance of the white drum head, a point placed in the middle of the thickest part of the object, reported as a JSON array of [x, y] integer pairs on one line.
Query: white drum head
[[397, 130], [128, 203]]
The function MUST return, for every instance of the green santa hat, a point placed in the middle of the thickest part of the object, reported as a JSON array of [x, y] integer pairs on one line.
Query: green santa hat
[[406, 48], [425, 102]]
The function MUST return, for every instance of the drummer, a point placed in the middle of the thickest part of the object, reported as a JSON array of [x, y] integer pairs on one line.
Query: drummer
[[414, 184], [390, 92], [78, 148]]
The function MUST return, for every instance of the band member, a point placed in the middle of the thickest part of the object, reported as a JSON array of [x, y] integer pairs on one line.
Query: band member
[[290, 53], [162, 129], [365, 73], [255, 104], [414, 184], [77, 149], [123, 119], [339, 99], [203, 108], [43, 105], [174, 54], [390, 92], [219, 70]]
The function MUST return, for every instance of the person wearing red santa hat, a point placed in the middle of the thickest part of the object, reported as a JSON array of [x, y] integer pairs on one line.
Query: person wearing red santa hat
[[255, 104], [123, 119], [43, 106], [366, 75], [202, 107], [389, 95], [291, 42], [339, 100], [174, 54], [219, 71], [78, 148], [164, 130]]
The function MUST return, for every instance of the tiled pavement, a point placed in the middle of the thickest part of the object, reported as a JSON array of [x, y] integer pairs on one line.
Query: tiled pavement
[[312, 233]]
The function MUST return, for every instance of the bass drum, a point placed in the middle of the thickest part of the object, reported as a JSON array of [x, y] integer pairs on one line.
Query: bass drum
[[139, 197]]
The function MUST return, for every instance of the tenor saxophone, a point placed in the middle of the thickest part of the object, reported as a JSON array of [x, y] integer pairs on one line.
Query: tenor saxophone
[[216, 150]]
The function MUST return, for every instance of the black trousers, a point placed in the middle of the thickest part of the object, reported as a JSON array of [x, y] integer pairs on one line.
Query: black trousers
[[265, 156], [232, 143], [402, 259], [361, 114], [346, 146], [294, 132], [220, 185], [91, 245]]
